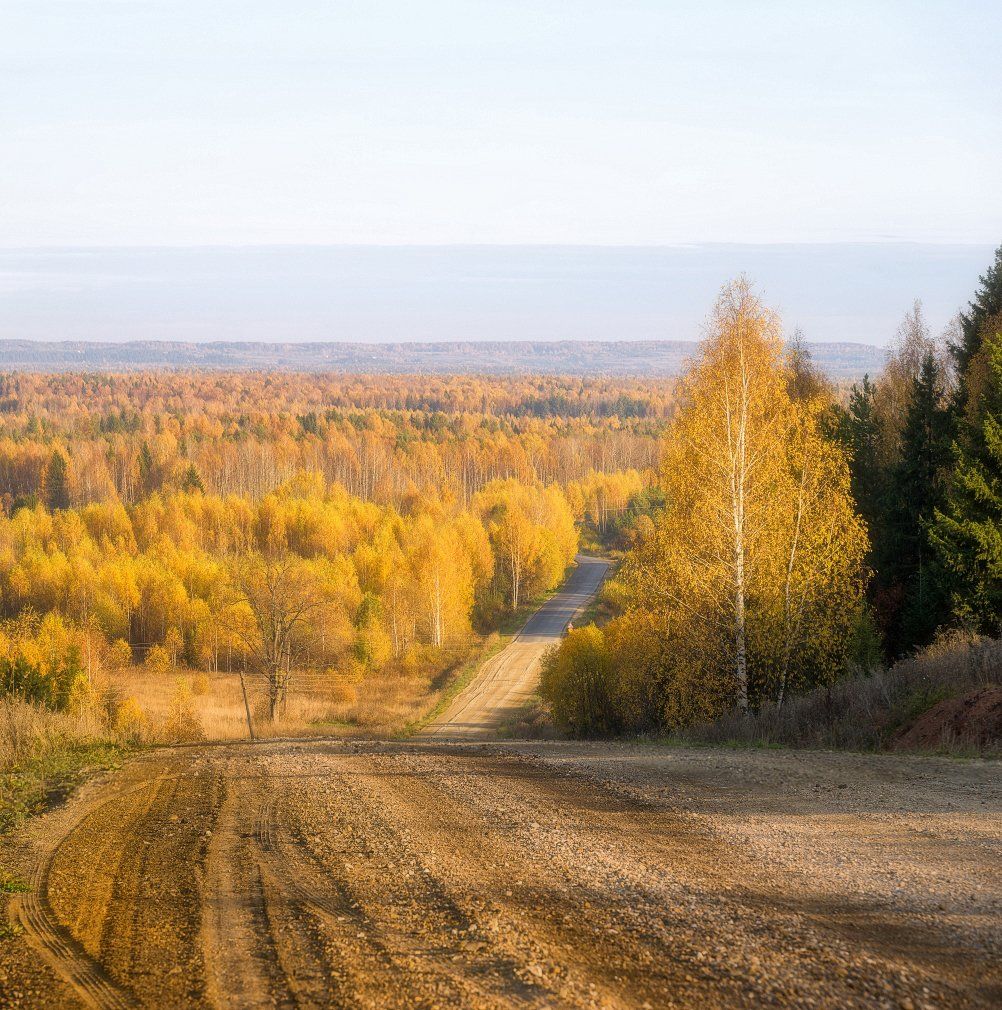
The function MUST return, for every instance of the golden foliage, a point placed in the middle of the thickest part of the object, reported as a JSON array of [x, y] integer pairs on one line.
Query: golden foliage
[[750, 578]]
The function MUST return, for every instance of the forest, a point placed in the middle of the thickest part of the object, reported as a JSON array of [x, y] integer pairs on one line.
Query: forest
[[352, 536], [810, 534], [295, 531]]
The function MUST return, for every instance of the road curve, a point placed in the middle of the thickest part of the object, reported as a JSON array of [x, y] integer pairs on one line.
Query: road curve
[[507, 681]]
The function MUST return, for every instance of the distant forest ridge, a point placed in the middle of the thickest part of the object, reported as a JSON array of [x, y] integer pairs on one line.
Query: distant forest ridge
[[565, 357]]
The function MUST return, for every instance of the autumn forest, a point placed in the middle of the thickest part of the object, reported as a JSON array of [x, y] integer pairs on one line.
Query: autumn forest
[[338, 536], [270, 524]]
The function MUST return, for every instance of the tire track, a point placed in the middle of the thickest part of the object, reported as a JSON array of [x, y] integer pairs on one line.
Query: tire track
[[242, 969], [44, 930], [531, 918], [390, 876], [64, 954], [152, 922], [108, 886], [419, 941]]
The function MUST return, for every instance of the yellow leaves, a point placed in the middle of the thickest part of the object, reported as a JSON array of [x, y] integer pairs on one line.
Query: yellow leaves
[[157, 660], [406, 507], [119, 655], [758, 554], [130, 722], [532, 534]]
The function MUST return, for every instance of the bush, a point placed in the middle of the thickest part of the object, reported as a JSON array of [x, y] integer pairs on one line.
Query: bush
[[81, 698], [629, 676], [577, 683], [49, 684], [343, 692], [182, 721], [119, 654], [157, 660], [200, 684], [865, 713], [130, 721]]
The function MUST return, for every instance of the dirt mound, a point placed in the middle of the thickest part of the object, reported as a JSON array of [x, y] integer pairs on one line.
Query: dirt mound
[[974, 719]]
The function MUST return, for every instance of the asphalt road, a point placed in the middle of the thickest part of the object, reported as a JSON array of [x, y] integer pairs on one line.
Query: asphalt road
[[507, 681]]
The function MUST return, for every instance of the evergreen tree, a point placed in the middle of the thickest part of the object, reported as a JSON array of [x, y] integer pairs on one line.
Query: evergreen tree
[[55, 482], [191, 482], [986, 305], [146, 468], [967, 532], [917, 488], [857, 428]]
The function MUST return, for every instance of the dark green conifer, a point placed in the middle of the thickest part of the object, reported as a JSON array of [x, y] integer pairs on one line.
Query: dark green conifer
[[55, 482], [967, 531]]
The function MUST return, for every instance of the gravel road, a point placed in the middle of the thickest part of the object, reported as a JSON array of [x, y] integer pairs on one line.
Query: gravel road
[[507, 681], [431, 874]]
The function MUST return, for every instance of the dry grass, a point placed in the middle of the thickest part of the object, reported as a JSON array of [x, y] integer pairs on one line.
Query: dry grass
[[866, 713], [190, 705], [44, 753], [30, 732]]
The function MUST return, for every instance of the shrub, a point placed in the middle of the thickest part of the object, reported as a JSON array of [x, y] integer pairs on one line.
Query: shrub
[[81, 699], [866, 713], [343, 692], [49, 684], [130, 721], [119, 654], [577, 682], [200, 684], [182, 720], [157, 660]]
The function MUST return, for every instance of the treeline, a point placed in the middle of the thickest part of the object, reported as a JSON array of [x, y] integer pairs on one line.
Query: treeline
[[163, 520], [80, 439], [79, 397], [926, 458], [804, 535]]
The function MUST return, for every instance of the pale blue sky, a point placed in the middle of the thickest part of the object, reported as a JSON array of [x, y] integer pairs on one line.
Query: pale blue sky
[[138, 122]]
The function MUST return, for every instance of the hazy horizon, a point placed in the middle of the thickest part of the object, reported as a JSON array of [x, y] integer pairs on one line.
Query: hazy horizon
[[852, 292], [387, 172]]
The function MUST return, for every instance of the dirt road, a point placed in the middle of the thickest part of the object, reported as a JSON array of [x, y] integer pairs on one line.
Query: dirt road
[[507, 681], [423, 874]]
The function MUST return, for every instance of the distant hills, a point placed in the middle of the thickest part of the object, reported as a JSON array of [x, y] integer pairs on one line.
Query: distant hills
[[563, 357]]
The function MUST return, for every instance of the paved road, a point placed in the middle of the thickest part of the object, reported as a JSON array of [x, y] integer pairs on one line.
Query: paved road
[[508, 680]]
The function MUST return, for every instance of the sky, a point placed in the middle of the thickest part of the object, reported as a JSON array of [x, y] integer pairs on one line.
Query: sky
[[210, 168], [833, 292], [190, 122]]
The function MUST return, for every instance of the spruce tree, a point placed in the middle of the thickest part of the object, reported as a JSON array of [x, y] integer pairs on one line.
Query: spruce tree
[[917, 489], [191, 482], [967, 531], [55, 482], [857, 428], [146, 470], [986, 305]]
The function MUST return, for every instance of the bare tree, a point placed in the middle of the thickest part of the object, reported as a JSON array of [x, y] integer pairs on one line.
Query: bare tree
[[281, 597]]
